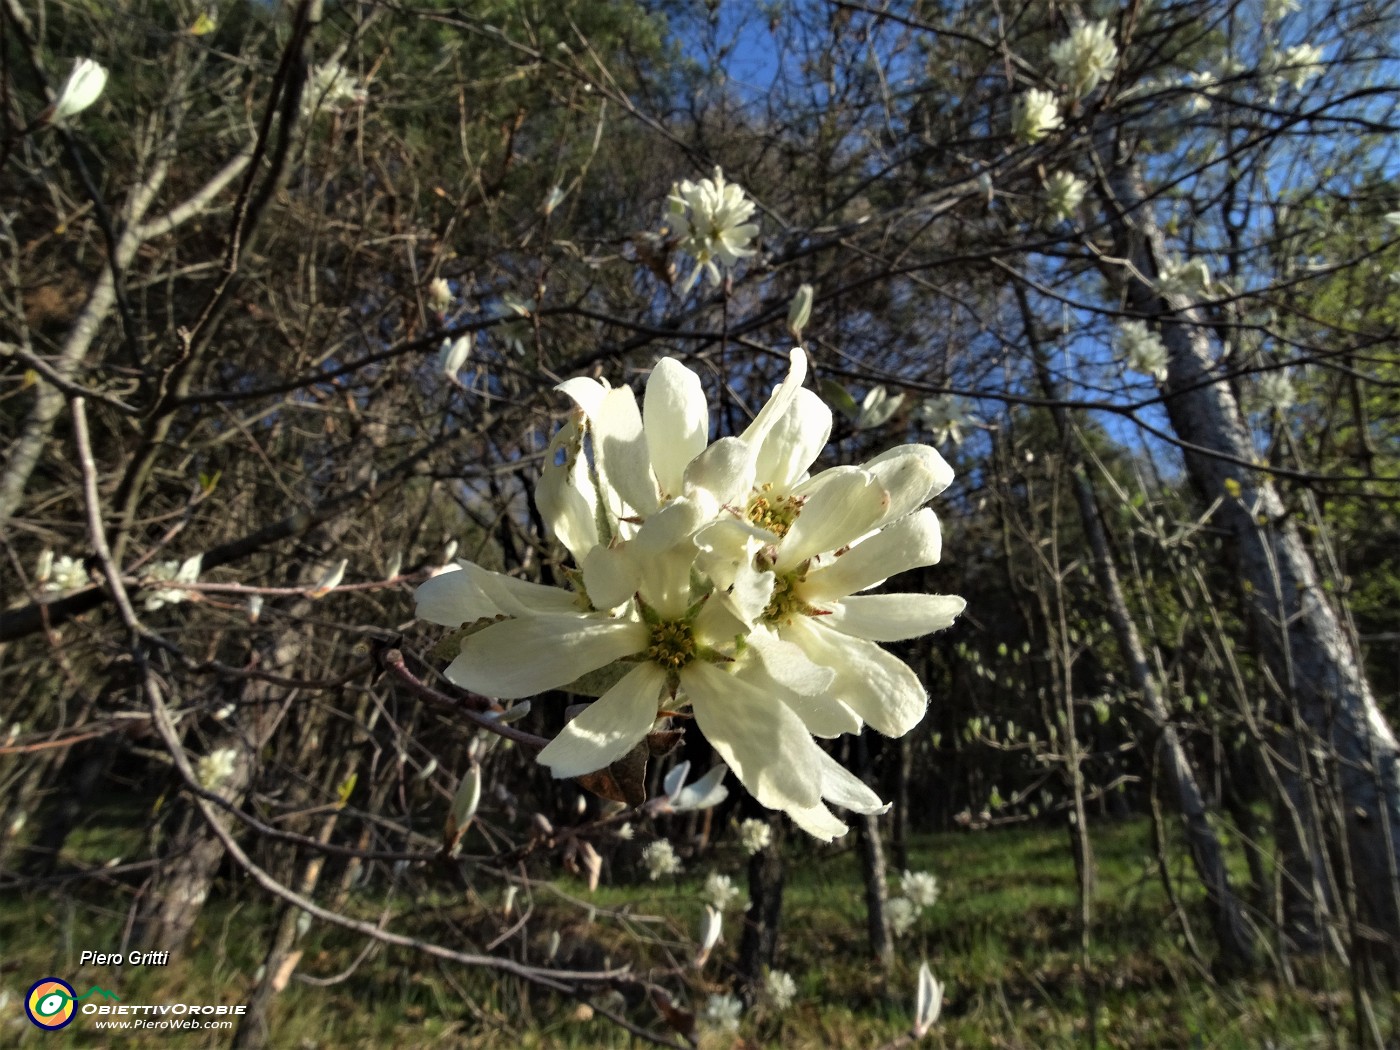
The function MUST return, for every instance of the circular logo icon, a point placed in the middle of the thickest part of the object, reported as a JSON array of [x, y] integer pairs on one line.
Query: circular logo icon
[[49, 1003]]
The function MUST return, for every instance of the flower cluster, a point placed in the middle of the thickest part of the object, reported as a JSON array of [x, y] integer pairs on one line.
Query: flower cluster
[[1034, 115], [1064, 192], [755, 836], [1274, 391], [176, 572], [719, 891], [660, 859], [1186, 277], [945, 416], [720, 581], [1142, 349], [62, 574], [216, 767], [1085, 57], [918, 892], [722, 1013], [779, 989], [710, 220], [330, 88]]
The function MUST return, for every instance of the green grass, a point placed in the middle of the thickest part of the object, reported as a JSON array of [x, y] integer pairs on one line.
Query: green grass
[[1003, 937]]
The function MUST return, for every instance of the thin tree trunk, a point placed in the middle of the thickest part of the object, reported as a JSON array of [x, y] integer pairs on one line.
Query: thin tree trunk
[[873, 870], [1300, 635], [759, 945], [1232, 932]]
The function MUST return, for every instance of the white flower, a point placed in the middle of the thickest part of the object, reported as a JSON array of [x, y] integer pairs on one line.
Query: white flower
[[1085, 57], [716, 578], [1202, 87], [175, 572], [439, 295], [65, 574], [1276, 10], [723, 1012], [780, 989], [453, 354], [1063, 194], [710, 220], [331, 87], [800, 311], [1187, 277], [626, 832], [719, 890], [945, 416], [216, 767], [1142, 349], [755, 835], [705, 793], [1274, 391], [1296, 66], [901, 914], [928, 1002], [660, 859], [920, 887], [80, 91], [710, 924], [877, 408], [1034, 115]]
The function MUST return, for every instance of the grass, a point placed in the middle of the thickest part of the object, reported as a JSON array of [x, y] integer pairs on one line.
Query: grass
[[1003, 937]]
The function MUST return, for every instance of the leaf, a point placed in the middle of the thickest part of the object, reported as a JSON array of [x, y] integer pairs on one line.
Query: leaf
[[839, 398], [346, 789]]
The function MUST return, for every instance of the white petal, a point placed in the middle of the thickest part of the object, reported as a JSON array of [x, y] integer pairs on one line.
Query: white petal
[[912, 474], [468, 592], [818, 822], [622, 450], [912, 541], [757, 432], [566, 496], [880, 688], [609, 576], [706, 793], [843, 788], [795, 442], [517, 658], [786, 672], [725, 471], [587, 393], [763, 741], [676, 418], [727, 550], [789, 665], [673, 781], [894, 617], [609, 727], [840, 512]]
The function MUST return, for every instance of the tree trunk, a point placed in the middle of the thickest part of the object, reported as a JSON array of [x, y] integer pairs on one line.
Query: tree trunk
[[759, 945], [1299, 634], [1227, 916], [872, 867]]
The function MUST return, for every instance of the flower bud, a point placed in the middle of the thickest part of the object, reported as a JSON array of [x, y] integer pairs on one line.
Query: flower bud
[[800, 311]]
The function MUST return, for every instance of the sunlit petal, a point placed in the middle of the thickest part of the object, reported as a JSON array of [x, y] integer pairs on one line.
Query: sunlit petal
[[517, 658], [609, 727]]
